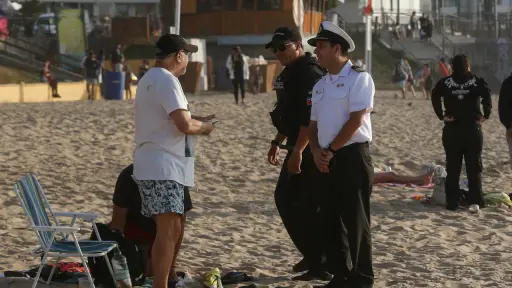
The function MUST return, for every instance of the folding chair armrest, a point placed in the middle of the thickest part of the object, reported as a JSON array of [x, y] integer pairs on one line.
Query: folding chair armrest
[[82, 215], [64, 229]]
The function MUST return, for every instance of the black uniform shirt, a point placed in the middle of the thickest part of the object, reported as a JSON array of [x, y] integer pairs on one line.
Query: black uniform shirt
[[462, 98], [505, 103], [293, 88]]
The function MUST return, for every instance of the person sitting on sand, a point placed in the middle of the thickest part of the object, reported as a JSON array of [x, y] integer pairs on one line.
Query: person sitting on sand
[[126, 217], [392, 177]]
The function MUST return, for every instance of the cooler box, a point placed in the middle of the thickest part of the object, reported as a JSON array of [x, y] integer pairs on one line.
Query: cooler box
[[114, 85]]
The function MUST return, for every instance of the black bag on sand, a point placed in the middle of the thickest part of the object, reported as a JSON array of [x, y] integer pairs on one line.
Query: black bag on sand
[[134, 257]]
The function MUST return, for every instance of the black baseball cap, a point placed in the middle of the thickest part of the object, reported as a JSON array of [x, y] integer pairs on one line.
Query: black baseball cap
[[283, 34], [172, 43]]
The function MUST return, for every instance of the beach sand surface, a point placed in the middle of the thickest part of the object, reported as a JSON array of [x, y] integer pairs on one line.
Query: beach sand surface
[[77, 150]]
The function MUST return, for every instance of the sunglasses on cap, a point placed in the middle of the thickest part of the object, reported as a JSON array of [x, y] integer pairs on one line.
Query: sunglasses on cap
[[280, 47]]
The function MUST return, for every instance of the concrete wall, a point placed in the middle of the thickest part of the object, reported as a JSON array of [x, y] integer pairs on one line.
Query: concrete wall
[[40, 92]]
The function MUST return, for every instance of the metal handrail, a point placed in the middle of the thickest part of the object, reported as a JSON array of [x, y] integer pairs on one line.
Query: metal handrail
[[33, 61], [72, 58], [393, 22]]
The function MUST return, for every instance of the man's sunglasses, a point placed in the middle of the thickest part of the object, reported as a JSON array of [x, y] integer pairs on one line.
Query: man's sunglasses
[[280, 47]]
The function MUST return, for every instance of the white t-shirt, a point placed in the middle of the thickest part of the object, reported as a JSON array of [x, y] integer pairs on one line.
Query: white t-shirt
[[162, 151], [334, 97]]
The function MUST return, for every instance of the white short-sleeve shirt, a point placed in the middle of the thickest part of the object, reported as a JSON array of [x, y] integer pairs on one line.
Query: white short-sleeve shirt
[[162, 151], [334, 97]]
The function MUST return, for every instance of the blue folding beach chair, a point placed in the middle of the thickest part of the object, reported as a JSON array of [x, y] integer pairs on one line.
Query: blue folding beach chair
[[44, 222]]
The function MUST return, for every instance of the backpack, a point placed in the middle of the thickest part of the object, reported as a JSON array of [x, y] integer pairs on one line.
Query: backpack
[[134, 256]]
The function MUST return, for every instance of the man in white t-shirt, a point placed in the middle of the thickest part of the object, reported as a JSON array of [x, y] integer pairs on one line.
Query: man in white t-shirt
[[164, 155]]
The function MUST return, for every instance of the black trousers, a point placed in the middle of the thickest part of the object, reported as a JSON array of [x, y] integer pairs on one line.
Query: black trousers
[[298, 205], [345, 206], [238, 84], [463, 140]]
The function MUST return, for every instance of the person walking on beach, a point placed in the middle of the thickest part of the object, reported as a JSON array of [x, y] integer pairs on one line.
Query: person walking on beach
[[91, 70], [165, 149], [339, 135], [505, 111], [238, 69], [461, 93], [295, 194]]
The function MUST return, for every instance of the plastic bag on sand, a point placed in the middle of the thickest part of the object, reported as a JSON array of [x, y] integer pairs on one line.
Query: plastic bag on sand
[[497, 198], [212, 279]]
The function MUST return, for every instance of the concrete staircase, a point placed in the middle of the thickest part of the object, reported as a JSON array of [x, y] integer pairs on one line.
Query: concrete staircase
[[421, 51]]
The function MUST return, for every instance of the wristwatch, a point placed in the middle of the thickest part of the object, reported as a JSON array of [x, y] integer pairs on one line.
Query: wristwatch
[[275, 143], [329, 148]]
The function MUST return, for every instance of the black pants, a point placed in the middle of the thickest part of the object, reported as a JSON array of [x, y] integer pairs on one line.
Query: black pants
[[238, 83], [463, 140], [297, 202], [346, 207]]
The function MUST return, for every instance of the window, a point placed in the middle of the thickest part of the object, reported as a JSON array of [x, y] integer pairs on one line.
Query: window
[[122, 10], [248, 4], [209, 5], [230, 5], [269, 5]]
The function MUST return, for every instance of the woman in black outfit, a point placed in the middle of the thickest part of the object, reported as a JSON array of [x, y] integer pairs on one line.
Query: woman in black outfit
[[462, 92]]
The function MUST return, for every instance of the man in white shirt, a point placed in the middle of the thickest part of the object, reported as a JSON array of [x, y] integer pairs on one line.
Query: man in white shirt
[[164, 155], [339, 134]]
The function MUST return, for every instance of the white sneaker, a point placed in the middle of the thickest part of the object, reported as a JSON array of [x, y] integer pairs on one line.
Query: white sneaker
[[474, 208]]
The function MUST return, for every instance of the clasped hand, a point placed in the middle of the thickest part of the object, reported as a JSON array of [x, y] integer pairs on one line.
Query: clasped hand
[[322, 159]]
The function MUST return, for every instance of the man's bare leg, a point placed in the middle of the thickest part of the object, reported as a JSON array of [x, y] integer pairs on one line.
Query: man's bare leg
[[392, 177], [173, 274], [168, 227]]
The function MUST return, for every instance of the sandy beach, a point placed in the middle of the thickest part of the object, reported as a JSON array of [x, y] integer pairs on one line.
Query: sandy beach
[[77, 149]]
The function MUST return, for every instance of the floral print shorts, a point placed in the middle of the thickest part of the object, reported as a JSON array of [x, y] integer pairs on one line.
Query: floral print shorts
[[161, 196]]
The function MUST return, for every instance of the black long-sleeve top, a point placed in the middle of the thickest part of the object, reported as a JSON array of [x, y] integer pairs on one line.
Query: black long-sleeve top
[[505, 103], [462, 97]]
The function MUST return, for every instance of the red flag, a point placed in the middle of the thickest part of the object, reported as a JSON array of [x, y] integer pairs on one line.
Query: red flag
[[368, 10]]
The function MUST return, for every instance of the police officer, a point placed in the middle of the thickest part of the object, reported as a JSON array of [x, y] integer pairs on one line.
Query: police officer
[[462, 92], [340, 133], [294, 195]]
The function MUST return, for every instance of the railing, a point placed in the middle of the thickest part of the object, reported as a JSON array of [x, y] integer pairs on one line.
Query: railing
[[483, 25], [446, 44], [32, 59]]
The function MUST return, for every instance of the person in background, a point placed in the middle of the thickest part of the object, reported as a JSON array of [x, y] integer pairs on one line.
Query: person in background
[[258, 80], [505, 111], [391, 177], [91, 72], [413, 25], [461, 93], [126, 217], [128, 80], [116, 58], [410, 78], [400, 76], [238, 69], [426, 81], [101, 59], [143, 68], [165, 137], [48, 77]]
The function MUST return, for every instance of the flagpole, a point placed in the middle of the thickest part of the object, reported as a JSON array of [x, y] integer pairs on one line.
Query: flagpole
[[368, 34], [177, 15]]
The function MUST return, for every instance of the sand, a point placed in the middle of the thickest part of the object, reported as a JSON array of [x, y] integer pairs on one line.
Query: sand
[[77, 149]]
